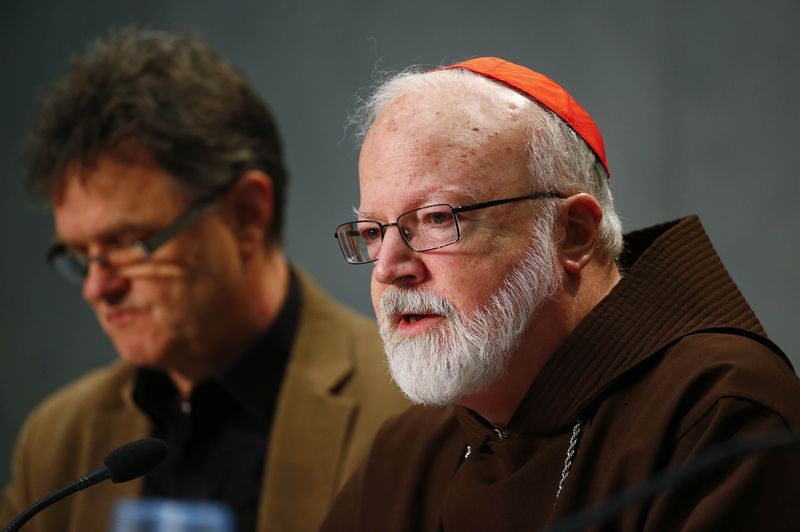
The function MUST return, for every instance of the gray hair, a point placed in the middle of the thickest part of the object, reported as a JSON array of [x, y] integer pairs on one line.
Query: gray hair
[[558, 159]]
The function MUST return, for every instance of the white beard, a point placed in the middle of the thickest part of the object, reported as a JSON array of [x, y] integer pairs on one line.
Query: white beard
[[465, 354]]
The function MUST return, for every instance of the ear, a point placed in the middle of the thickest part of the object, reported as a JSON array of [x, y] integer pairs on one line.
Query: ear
[[250, 207], [579, 218]]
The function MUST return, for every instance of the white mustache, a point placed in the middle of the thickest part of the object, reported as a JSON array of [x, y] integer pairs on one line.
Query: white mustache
[[403, 301]]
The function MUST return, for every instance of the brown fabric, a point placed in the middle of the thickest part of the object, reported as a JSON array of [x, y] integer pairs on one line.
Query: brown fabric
[[334, 396], [671, 363]]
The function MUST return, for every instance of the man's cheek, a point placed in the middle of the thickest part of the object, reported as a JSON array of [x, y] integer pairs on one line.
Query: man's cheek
[[376, 292]]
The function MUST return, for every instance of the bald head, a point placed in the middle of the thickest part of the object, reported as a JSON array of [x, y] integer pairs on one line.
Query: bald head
[[473, 112], [468, 134]]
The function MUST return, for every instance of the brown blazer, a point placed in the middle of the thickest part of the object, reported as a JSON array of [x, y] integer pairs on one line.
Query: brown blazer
[[334, 396]]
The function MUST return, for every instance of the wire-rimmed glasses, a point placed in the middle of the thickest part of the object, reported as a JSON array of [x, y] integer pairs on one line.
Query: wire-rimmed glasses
[[422, 229]]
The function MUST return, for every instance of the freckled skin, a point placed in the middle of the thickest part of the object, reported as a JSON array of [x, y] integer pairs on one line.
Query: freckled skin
[[415, 155], [423, 148]]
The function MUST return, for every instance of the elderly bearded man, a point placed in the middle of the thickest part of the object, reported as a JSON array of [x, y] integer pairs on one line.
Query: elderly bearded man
[[166, 176], [579, 365]]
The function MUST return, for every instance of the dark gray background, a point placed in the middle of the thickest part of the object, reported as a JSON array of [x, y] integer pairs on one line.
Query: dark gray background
[[697, 102]]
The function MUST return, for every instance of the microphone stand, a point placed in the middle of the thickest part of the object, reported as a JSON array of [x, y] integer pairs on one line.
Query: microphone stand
[[82, 483]]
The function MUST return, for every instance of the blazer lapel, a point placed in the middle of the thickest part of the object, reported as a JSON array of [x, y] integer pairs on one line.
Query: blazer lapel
[[312, 423]]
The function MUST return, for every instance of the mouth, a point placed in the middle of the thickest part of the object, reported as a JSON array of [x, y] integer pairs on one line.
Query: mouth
[[413, 322], [121, 317]]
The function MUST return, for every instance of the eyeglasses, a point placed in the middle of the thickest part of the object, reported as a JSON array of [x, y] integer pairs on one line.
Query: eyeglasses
[[423, 229], [73, 264]]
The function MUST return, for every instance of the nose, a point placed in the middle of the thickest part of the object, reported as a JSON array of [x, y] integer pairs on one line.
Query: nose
[[104, 284], [397, 264]]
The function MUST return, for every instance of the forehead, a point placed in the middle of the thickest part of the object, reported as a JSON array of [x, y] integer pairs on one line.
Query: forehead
[[426, 148], [112, 194]]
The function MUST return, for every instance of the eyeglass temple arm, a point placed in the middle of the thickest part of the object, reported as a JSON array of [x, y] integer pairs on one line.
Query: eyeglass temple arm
[[151, 244], [482, 205]]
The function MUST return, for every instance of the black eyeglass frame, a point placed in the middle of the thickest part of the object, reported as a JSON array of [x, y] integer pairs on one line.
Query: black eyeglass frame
[[79, 265], [454, 211]]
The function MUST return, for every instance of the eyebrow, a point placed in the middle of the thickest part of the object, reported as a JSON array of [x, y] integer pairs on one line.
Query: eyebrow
[[110, 233]]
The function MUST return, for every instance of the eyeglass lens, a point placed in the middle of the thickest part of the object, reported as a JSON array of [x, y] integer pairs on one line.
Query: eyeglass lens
[[422, 229]]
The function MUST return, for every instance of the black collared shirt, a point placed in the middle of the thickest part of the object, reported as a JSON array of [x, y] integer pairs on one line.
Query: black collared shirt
[[217, 440]]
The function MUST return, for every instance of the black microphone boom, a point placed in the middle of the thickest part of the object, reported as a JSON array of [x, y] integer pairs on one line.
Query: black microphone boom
[[125, 463], [671, 478]]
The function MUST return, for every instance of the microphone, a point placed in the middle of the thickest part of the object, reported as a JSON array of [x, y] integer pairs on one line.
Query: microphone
[[125, 463]]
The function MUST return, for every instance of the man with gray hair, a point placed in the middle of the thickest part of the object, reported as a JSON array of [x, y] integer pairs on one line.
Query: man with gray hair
[[166, 176], [557, 364]]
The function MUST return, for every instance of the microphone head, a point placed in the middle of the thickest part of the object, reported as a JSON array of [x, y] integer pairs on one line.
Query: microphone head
[[135, 459]]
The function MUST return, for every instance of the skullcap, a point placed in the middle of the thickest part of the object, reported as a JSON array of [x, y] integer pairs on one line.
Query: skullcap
[[544, 91]]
